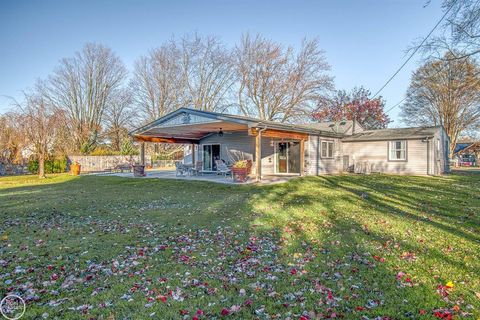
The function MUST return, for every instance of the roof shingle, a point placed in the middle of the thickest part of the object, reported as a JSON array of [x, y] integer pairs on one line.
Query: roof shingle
[[393, 134]]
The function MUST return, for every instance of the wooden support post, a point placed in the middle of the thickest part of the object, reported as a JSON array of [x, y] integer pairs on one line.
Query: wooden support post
[[193, 155], [302, 157], [142, 153], [258, 156]]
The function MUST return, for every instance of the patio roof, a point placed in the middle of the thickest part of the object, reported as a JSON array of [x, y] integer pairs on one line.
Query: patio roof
[[189, 126]]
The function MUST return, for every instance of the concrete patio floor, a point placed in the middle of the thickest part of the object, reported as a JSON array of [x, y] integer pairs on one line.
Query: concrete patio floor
[[212, 177]]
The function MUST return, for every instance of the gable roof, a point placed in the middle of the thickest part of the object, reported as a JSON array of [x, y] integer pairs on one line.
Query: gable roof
[[461, 145], [209, 116], [464, 146], [394, 134], [185, 117]]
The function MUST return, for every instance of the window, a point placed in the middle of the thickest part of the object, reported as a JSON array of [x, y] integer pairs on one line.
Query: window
[[398, 150], [327, 149]]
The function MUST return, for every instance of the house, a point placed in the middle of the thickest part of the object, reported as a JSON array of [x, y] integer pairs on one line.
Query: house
[[299, 149], [467, 153]]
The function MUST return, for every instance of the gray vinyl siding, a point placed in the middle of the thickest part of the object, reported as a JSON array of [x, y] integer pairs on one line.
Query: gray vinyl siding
[[375, 154], [233, 146], [422, 157], [241, 146], [315, 164]]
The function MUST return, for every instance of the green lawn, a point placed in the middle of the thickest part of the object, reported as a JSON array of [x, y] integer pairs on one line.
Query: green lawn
[[352, 247]]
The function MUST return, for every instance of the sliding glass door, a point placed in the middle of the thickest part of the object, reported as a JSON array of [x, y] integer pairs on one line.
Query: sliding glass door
[[211, 152], [287, 157]]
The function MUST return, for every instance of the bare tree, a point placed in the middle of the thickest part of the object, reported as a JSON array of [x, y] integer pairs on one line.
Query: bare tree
[[157, 83], [83, 86], [192, 71], [40, 124], [445, 92], [461, 31], [207, 72], [120, 117], [277, 84]]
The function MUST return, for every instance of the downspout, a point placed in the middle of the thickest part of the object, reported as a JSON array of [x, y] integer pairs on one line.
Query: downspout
[[428, 155], [261, 130], [259, 156]]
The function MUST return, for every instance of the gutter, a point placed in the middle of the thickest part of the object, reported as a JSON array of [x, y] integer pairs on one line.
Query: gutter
[[348, 139], [300, 129]]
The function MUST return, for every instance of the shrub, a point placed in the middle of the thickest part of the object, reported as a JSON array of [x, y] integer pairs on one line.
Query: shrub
[[32, 166], [56, 165], [127, 148]]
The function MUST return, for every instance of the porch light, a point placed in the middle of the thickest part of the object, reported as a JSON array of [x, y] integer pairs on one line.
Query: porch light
[[220, 133], [272, 143]]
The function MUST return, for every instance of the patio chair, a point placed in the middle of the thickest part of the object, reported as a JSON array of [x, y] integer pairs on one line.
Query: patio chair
[[197, 169], [222, 168], [180, 169]]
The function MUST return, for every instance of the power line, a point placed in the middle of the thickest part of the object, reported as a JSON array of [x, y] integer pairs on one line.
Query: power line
[[442, 68], [396, 105], [416, 49]]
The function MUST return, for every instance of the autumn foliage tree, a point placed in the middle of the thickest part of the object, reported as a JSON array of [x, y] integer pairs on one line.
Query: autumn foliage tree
[[11, 140], [354, 105]]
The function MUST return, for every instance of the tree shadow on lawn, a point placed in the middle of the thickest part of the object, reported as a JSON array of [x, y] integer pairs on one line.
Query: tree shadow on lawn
[[406, 202], [103, 219], [316, 226], [86, 195], [344, 234], [377, 199]]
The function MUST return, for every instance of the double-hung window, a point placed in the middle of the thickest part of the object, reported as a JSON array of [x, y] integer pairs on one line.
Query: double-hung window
[[327, 149], [397, 150]]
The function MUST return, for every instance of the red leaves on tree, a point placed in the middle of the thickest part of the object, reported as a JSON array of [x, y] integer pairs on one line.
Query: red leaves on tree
[[357, 105]]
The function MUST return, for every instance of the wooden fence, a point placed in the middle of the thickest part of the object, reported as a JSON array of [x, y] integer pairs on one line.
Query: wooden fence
[[105, 163]]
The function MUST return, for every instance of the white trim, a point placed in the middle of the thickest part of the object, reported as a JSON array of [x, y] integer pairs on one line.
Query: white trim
[[391, 144], [275, 159], [332, 148]]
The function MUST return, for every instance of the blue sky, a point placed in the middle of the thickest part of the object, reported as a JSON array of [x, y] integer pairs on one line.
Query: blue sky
[[365, 40]]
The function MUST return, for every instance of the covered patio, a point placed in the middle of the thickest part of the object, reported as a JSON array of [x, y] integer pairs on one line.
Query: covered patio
[[213, 137], [217, 178]]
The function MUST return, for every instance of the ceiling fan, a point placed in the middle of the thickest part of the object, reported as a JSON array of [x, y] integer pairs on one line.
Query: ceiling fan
[[221, 133]]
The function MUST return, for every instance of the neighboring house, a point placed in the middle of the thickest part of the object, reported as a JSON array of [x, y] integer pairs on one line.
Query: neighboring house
[[467, 153], [300, 149]]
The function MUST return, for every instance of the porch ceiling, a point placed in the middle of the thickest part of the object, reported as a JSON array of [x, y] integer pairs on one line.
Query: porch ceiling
[[192, 131]]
